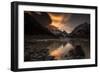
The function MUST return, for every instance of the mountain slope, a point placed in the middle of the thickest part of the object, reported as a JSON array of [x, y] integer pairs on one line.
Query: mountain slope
[[81, 31]]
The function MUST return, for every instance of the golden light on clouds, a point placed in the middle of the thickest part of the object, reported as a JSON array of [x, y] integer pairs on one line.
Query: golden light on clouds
[[60, 21], [56, 20], [56, 17]]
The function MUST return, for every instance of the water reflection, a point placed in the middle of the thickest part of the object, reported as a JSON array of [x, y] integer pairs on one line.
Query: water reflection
[[61, 51], [40, 50]]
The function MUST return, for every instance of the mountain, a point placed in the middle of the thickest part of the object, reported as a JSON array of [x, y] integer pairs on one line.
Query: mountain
[[33, 25], [81, 31], [38, 25], [57, 32]]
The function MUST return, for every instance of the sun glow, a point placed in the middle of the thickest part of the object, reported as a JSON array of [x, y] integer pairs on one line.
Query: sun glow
[[58, 21]]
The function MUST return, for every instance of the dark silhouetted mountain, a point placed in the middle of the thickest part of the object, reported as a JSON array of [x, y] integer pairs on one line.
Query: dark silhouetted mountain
[[36, 26], [81, 31], [57, 32]]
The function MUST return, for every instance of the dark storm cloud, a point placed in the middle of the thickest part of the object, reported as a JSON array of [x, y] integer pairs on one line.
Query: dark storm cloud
[[74, 20], [77, 19]]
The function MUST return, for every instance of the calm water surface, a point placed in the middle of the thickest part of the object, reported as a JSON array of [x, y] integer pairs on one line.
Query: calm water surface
[[56, 49]]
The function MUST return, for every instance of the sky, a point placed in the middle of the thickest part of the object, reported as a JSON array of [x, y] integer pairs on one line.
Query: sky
[[63, 21], [68, 21]]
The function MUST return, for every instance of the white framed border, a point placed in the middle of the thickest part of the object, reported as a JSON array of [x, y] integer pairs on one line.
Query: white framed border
[[22, 64]]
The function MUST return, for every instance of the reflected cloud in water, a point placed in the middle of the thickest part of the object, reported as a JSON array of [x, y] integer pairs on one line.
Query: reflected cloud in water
[[57, 50]]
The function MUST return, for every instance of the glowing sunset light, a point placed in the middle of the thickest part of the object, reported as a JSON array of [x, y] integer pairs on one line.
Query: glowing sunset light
[[58, 21]]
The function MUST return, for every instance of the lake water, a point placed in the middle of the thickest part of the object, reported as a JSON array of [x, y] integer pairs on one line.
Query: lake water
[[56, 49]]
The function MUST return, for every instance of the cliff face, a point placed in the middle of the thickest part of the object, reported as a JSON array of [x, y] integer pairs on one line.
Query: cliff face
[[81, 31], [35, 25], [39, 24]]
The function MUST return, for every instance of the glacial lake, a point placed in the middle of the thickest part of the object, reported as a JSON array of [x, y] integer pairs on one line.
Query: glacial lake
[[56, 49]]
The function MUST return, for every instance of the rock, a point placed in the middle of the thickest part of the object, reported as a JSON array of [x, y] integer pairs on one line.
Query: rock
[[34, 24], [81, 31]]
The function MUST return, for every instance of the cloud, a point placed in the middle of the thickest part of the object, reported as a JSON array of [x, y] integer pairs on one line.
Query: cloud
[[61, 21]]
